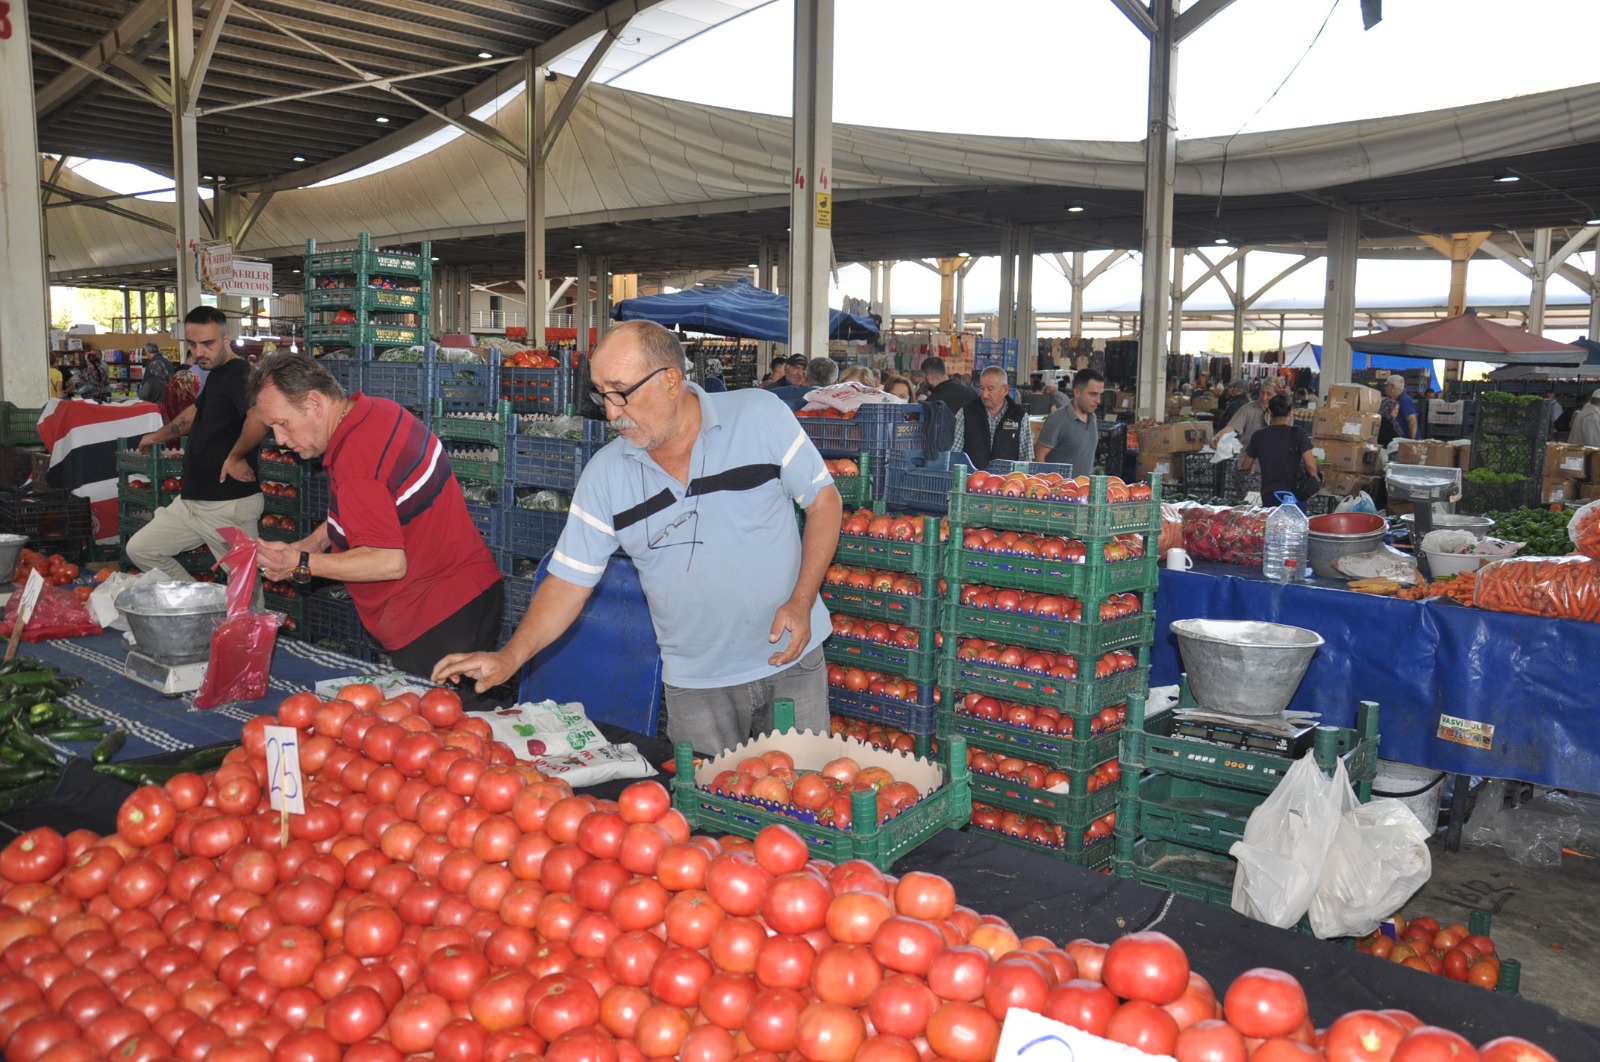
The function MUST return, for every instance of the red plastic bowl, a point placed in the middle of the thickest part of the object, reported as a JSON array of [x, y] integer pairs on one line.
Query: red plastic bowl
[[1348, 524]]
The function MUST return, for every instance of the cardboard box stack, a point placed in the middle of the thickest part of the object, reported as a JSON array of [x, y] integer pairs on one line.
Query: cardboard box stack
[[1162, 446], [1346, 433], [1568, 470]]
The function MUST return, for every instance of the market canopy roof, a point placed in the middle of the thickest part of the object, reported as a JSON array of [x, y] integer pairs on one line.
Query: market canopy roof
[[661, 185], [735, 310], [1468, 338]]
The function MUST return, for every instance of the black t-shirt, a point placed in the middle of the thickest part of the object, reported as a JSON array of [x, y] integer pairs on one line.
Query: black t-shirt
[[219, 415], [1277, 448], [956, 396]]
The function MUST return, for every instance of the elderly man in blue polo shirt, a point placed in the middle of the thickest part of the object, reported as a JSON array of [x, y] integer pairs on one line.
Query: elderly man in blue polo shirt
[[699, 491]]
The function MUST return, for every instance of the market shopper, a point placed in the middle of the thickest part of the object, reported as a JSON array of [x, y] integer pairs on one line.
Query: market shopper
[[1282, 449], [777, 373], [1235, 400], [1398, 411], [93, 382], [1585, 427], [1251, 417], [818, 372], [219, 465], [1072, 435], [157, 374], [699, 491], [900, 387], [995, 427], [398, 534], [941, 388], [181, 391]]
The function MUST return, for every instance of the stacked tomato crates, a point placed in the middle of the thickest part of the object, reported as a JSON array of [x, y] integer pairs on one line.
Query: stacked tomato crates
[[364, 298], [1096, 602], [1183, 803]]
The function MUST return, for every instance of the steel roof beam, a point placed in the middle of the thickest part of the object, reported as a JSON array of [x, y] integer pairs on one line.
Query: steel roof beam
[[380, 83], [1198, 15], [95, 72], [132, 29], [564, 109], [209, 35]]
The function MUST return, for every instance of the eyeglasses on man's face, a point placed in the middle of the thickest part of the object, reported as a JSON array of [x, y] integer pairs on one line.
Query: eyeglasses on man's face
[[620, 398]]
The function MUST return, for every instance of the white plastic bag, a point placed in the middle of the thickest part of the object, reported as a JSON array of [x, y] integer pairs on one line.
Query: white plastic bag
[[595, 765], [1285, 843], [1228, 447], [1379, 858], [103, 601], [544, 729], [847, 397]]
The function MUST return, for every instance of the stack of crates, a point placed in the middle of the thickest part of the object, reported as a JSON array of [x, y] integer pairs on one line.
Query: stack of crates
[[896, 579], [1001, 352], [387, 293], [282, 478], [53, 521], [19, 426], [1183, 803], [1094, 563], [478, 442], [548, 392], [329, 619], [1510, 437], [877, 431], [921, 483], [139, 477]]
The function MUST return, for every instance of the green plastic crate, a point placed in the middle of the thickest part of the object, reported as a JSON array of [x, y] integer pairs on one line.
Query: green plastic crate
[[920, 612], [919, 665], [363, 260], [1097, 856], [131, 518], [153, 464], [881, 844], [291, 471], [19, 426], [281, 534], [1193, 873], [1047, 632], [492, 430], [857, 491], [1079, 698], [1072, 754], [1073, 810], [149, 498], [919, 558], [291, 607], [1193, 813], [491, 472], [1094, 519], [1086, 582], [281, 504], [366, 334], [367, 300], [200, 560]]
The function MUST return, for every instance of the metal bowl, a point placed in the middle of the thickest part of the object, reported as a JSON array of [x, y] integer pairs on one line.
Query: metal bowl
[[1338, 535], [10, 550], [1244, 667], [172, 622], [1478, 525]]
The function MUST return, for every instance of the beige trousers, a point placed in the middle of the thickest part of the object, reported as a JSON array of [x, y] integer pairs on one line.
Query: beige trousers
[[184, 525]]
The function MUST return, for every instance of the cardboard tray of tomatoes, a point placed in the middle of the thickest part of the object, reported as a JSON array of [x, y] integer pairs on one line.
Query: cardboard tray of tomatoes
[[1083, 580], [919, 558], [942, 803], [921, 611], [1080, 698], [1193, 813], [1049, 632], [920, 665], [914, 717], [1098, 517]]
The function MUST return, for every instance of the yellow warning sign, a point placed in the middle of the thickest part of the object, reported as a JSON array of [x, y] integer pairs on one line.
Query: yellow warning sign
[[1466, 732], [824, 210]]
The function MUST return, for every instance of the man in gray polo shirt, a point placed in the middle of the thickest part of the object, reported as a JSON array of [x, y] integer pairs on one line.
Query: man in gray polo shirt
[[1071, 435], [699, 491]]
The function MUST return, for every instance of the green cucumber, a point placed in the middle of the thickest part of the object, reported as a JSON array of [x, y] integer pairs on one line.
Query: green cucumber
[[11, 799], [109, 746], [139, 773], [208, 759], [31, 747]]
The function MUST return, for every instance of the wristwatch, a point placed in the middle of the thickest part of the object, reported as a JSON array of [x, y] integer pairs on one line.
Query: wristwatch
[[302, 571]]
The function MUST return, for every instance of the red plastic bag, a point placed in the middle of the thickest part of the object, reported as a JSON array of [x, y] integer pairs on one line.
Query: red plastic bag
[[241, 646], [57, 614]]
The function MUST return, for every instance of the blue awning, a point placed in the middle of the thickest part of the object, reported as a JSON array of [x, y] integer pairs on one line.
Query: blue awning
[[741, 309]]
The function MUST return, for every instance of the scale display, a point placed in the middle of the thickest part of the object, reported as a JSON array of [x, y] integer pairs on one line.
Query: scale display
[[1238, 737]]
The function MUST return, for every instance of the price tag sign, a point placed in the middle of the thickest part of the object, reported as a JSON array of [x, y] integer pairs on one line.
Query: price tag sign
[[287, 791], [1030, 1037], [30, 595]]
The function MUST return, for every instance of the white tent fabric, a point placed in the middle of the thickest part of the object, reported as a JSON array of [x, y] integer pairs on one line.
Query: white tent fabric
[[1301, 356], [628, 156]]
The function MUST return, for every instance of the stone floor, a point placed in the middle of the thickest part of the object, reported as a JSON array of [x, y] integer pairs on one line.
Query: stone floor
[[1546, 918]]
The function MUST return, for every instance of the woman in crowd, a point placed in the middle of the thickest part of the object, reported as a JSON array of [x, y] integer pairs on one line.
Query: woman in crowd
[[899, 385], [94, 383], [182, 389]]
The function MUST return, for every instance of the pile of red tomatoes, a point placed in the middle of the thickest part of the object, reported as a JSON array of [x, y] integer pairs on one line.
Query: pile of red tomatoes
[[875, 579], [1005, 599], [884, 737], [1040, 775], [864, 523], [871, 630], [1045, 720], [1452, 951], [1055, 486], [438, 899], [858, 680], [1038, 661]]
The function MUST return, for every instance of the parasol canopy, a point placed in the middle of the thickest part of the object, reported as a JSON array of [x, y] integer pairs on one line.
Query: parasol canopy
[[1468, 338], [740, 309]]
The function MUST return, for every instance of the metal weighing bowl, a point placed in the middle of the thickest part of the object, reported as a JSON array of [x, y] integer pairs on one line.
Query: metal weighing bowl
[[1342, 535], [1244, 667], [172, 622], [1478, 525], [10, 550]]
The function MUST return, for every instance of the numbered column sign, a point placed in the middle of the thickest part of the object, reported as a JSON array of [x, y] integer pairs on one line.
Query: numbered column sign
[[1029, 1037], [286, 790]]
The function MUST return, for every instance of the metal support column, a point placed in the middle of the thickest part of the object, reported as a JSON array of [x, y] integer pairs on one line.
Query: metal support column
[[602, 288], [583, 308], [1160, 169], [1075, 278], [886, 308], [225, 219], [1238, 313], [1594, 296], [185, 153], [533, 242], [1005, 317], [948, 270], [1339, 303], [1175, 344], [1459, 248], [811, 196], [25, 321], [1541, 280], [960, 323], [767, 280], [1027, 340]]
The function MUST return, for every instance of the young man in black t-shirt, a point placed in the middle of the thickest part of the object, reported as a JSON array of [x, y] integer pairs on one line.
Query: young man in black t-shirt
[[219, 467]]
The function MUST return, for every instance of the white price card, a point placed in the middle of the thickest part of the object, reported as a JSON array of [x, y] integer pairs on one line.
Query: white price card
[[1029, 1037], [30, 596], [287, 790]]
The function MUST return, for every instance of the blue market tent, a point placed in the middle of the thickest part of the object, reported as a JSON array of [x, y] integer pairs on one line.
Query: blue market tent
[[1361, 362], [740, 309]]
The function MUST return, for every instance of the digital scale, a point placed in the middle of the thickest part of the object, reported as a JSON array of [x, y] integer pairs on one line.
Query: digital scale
[[1423, 485], [166, 678], [1293, 745]]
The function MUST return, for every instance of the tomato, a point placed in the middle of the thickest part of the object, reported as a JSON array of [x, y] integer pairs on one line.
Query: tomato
[[1283, 1049], [901, 1006], [678, 977], [735, 944], [780, 850], [1427, 1043], [644, 801], [963, 1032], [1210, 1040], [1363, 1036], [632, 956], [682, 867], [289, 956], [829, 1032], [845, 973], [147, 817], [1264, 1003], [770, 1020], [440, 706], [797, 902], [1083, 1004], [1147, 966], [34, 856], [1513, 1049], [1016, 983], [558, 1003], [737, 882], [926, 896], [1143, 1026], [907, 945], [371, 932]]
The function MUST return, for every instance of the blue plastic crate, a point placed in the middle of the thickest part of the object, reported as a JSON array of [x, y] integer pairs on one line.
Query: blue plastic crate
[[877, 429], [532, 532], [519, 590], [489, 520], [328, 618], [314, 497], [348, 371], [921, 483], [1001, 352], [407, 383], [551, 391], [542, 461], [913, 717], [464, 387]]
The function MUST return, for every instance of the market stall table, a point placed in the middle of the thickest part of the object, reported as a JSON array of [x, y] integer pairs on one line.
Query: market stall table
[[82, 438], [1464, 690]]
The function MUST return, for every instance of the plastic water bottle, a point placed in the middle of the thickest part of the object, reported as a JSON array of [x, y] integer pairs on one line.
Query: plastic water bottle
[[1288, 539]]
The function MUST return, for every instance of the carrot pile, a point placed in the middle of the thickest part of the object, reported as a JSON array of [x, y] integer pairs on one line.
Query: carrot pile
[[1460, 588], [1555, 587]]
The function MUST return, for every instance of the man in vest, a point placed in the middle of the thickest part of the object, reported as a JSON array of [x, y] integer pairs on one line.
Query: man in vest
[[994, 426]]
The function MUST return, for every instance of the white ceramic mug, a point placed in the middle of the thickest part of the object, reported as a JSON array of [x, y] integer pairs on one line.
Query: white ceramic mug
[[1179, 558]]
